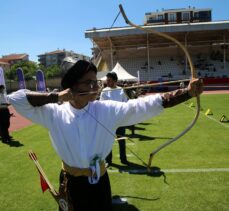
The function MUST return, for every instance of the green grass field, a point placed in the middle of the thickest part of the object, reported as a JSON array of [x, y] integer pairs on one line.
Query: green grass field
[[196, 167]]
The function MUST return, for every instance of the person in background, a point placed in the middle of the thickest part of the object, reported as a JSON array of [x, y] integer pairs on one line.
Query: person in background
[[182, 85], [116, 93], [131, 94], [82, 128], [4, 116]]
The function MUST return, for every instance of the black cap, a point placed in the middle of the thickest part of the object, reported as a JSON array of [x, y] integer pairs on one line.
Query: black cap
[[67, 63], [76, 72]]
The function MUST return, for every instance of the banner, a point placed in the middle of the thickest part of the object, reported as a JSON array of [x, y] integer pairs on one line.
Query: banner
[[2, 79], [21, 80], [41, 87]]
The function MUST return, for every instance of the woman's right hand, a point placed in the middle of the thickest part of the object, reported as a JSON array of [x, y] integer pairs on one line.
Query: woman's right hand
[[65, 95]]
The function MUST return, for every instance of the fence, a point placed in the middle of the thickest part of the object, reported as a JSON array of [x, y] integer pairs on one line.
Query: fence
[[53, 83]]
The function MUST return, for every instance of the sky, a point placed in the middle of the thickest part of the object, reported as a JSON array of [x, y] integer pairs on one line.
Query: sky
[[38, 26]]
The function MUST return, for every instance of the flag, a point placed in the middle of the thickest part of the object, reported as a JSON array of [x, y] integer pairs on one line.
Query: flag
[[21, 80], [41, 87], [2, 79]]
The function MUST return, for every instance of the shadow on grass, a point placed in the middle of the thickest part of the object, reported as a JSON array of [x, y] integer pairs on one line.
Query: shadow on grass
[[146, 138], [133, 168], [138, 197], [136, 128], [141, 137], [121, 204], [156, 172], [127, 167], [144, 123], [13, 143], [124, 207]]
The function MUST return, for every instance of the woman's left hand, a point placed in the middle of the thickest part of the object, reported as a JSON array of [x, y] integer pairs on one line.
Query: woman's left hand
[[195, 87]]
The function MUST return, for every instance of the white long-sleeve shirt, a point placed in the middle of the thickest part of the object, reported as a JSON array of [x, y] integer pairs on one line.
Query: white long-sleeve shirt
[[116, 94], [79, 135]]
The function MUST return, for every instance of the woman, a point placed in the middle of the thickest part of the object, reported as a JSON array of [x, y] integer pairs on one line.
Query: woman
[[82, 129]]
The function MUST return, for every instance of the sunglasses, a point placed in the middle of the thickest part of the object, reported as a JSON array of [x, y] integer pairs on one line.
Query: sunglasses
[[92, 84]]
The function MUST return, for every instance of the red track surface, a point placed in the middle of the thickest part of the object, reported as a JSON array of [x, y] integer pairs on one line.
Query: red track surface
[[217, 92], [18, 122]]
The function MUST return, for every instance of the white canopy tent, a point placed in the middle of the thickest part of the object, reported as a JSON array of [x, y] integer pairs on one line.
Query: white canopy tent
[[122, 74], [101, 74]]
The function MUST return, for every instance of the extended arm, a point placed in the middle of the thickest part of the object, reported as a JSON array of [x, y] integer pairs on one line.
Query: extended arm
[[176, 97], [173, 98], [40, 99]]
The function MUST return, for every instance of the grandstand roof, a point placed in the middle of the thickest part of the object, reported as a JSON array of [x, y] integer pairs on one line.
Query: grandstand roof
[[204, 33]]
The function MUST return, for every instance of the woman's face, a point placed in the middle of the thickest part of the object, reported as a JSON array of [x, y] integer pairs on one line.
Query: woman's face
[[85, 90]]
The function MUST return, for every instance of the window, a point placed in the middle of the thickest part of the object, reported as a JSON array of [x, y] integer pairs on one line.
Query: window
[[196, 15], [172, 17], [202, 16], [153, 17], [185, 16], [160, 17]]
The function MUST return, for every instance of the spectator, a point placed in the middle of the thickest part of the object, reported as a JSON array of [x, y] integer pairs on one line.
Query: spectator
[[4, 116], [116, 93]]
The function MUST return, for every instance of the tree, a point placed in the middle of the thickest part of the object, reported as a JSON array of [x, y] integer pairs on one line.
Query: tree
[[29, 69], [52, 71]]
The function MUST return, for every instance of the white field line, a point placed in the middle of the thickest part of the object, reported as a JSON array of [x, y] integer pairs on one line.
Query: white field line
[[127, 155], [223, 124], [205, 170], [128, 144], [211, 118]]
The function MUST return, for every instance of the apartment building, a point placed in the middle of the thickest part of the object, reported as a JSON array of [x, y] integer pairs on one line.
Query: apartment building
[[173, 16], [56, 57], [8, 60]]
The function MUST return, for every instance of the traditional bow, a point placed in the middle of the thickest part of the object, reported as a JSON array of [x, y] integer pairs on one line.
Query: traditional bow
[[193, 75]]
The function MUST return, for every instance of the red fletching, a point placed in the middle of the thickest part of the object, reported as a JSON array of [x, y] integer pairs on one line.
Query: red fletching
[[44, 185], [43, 182]]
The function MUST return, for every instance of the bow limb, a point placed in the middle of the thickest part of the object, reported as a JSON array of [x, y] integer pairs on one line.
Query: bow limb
[[161, 34], [193, 74]]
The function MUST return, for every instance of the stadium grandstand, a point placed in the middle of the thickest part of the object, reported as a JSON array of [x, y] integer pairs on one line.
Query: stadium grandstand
[[153, 58]]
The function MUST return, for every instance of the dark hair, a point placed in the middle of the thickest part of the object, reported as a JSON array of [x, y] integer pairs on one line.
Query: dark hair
[[112, 75], [2, 86], [76, 72]]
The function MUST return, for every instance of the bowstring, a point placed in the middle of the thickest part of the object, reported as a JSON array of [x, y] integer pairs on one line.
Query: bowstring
[[115, 20], [100, 123], [114, 135], [107, 129]]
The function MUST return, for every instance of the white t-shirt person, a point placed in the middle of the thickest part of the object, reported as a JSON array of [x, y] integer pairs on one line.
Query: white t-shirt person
[[115, 93]]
